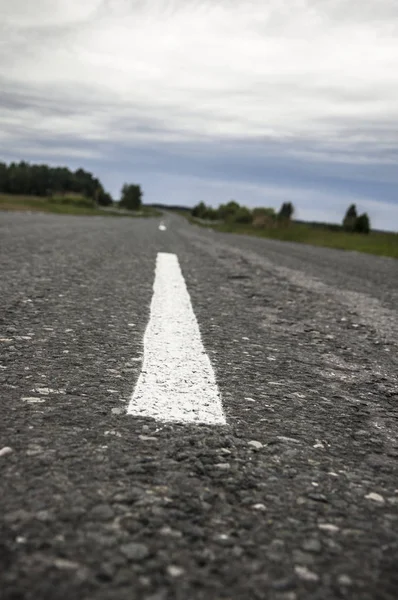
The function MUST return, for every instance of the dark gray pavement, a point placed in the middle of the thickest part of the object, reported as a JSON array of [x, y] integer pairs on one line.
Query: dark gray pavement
[[99, 505]]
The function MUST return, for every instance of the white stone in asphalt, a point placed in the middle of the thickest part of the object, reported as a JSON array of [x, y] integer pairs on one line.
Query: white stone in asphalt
[[177, 381]]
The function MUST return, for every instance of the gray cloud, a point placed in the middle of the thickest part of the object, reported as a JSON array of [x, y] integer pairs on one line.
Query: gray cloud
[[312, 83]]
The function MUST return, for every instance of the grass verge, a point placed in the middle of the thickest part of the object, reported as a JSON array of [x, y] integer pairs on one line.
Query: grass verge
[[376, 242], [60, 206]]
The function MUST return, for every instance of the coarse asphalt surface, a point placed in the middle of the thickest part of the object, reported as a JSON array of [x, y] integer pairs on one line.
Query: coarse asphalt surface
[[296, 499]]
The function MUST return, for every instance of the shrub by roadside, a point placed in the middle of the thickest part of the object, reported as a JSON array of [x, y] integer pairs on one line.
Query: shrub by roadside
[[353, 234]]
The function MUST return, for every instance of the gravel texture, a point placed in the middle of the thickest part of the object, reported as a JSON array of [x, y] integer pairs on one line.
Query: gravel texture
[[296, 499]]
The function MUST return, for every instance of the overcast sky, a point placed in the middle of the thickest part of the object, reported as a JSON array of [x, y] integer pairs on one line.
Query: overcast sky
[[210, 99]]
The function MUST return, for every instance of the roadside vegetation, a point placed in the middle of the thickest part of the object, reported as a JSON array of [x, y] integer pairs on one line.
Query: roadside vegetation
[[68, 206], [41, 188], [353, 234]]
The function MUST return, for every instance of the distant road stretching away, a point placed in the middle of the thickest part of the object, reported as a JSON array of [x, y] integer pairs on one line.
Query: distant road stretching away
[[192, 415]]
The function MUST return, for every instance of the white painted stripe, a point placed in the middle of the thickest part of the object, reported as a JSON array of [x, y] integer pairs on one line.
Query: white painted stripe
[[177, 381]]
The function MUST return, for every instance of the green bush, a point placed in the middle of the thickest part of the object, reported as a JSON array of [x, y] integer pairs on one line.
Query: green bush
[[212, 214], [242, 215], [362, 224], [350, 218], [227, 211], [131, 197], [207, 213], [199, 211], [353, 222], [231, 212]]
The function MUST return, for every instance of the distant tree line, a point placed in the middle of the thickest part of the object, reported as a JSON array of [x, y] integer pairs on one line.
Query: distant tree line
[[42, 180], [235, 213], [232, 212]]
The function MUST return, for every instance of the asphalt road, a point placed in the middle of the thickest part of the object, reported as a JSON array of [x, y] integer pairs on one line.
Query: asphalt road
[[96, 504]]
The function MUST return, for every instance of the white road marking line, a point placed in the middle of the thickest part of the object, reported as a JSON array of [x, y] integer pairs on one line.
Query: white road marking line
[[177, 381]]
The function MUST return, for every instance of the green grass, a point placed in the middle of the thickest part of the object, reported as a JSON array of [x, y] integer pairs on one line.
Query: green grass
[[67, 205], [379, 243], [72, 200]]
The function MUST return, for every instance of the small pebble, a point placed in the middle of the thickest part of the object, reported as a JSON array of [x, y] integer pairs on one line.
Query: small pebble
[[118, 411], [175, 571], [256, 445], [305, 574], [223, 539], [312, 545], [223, 466], [45, 516], [284, 438], [135, 551], [328, 527], [6, 450], [259, 506], [344, 580], [63, 563], [168, 531], [303, 558], [318, 445], [32, 400], [21, 539], [375, 497], [317, 497]]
